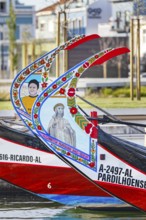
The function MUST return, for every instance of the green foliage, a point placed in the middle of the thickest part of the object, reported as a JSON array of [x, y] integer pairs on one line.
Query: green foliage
[[143, 91], [11, 23], [112, 102], [105, 98], [106, 92], [90, 91], [120, 92], [6, 105]]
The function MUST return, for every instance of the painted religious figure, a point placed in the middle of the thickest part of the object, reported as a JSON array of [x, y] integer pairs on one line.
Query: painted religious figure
[[60, 128]]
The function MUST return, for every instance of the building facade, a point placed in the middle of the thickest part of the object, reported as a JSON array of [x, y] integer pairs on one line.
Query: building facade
[[88, 17], [25, 31], [108, 18]]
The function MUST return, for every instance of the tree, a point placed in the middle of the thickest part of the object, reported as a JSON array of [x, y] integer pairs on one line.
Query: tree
[[11, 22]]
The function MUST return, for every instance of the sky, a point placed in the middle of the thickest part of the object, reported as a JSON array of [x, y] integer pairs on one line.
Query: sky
[[38, 3]]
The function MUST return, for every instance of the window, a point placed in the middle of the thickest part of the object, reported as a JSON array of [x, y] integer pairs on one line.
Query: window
[[80, 26], [74, 27], [42, 27], [144, 36], [37, 24], [118, 19], [1, 36], [3, 7], [127, 21]]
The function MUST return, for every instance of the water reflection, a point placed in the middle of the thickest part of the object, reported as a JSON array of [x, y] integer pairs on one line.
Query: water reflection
[[22, 208], [31, 207]]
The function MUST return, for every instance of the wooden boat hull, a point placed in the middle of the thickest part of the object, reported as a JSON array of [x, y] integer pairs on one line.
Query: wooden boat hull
[[28, 165]]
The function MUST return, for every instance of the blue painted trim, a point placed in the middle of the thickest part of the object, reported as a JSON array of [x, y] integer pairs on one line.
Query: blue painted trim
[[81, 200]]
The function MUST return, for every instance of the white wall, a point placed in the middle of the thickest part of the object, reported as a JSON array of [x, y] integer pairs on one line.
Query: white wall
[[98, 12]]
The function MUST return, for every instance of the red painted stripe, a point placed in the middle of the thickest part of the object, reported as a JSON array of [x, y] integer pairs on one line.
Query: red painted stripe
[[110, 54], [83, 40], [133, 196], [36, 179]]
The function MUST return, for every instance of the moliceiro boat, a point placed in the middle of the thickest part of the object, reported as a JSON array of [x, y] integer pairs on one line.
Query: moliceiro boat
[[26, 161], [107, 162], [117, 166]]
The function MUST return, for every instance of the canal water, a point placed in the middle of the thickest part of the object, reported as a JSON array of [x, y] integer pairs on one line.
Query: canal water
[[27, 207]]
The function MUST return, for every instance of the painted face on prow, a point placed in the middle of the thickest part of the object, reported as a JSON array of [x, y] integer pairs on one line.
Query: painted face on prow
[[32, 89]]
